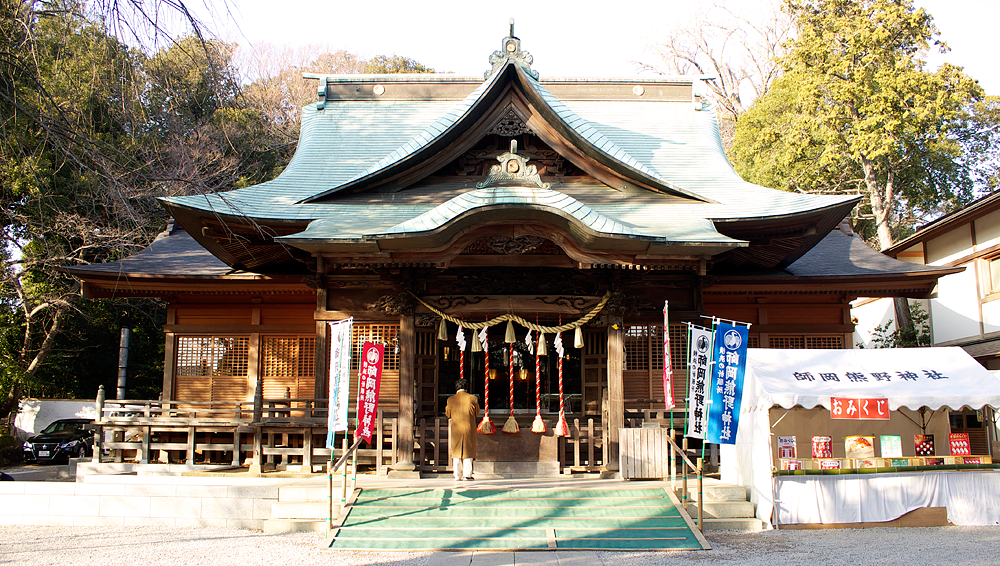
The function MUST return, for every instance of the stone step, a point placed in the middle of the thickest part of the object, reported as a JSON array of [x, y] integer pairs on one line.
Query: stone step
[[750, 524], [724, 509], [272, 526], [718, 492], [308, 493], [309, 510]]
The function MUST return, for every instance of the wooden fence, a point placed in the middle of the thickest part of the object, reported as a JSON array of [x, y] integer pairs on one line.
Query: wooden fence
[[288, 433]]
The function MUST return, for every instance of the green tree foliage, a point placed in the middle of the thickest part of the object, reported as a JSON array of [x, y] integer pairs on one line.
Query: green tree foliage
[[93, 130], [856, 111]]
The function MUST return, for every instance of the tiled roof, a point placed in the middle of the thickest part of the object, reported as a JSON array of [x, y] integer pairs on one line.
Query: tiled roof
[[665, 140]]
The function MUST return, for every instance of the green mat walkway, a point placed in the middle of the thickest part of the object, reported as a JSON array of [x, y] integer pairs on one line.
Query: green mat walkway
[[514, 519]]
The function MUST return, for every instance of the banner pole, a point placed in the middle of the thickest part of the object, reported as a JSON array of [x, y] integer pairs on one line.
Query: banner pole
[[687, 387], [329, 491]]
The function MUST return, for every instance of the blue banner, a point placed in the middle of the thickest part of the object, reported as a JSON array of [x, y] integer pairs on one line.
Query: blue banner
[[730, 361]]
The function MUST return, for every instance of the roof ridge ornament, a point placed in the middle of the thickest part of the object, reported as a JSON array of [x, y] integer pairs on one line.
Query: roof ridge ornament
[[511, 51], [513, 169]]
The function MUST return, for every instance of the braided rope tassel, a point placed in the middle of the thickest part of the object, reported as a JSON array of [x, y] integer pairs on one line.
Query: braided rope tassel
[[562, 429], [486, 425], [510, 426], [539, 425]]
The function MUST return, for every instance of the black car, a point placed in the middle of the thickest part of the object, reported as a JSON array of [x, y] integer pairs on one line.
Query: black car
[[61, 440]]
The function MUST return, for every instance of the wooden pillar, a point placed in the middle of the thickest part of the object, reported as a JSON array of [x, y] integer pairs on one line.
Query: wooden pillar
[[169, 357], [616, 388], [407, 367], [321, 369]]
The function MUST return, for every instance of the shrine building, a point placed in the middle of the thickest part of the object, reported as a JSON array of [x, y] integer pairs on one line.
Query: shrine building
[[415, 195]]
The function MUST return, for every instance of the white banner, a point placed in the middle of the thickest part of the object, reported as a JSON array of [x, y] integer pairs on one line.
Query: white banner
[[700, 347], [339, 334]]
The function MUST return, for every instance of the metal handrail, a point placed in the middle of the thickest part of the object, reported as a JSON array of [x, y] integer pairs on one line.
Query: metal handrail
[[697, 468]]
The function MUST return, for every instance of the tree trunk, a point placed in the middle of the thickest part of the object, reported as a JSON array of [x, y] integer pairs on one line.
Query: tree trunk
[[881, 203]]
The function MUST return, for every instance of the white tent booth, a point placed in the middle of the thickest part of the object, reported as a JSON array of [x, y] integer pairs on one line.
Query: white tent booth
[[788, 393]]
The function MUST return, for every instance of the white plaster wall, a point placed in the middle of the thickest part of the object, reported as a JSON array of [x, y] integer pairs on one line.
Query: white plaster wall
[[955, 311], [870, 315], [988, 230], [949, 246], [36, 414]]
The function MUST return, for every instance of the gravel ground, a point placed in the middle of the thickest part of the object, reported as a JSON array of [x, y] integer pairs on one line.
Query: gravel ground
[[38, 546]]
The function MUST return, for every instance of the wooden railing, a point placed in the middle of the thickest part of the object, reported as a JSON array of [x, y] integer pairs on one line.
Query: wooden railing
[[687, 468], [272, 432]]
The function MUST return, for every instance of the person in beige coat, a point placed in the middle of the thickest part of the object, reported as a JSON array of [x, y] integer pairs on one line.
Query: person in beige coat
[[463, 414]]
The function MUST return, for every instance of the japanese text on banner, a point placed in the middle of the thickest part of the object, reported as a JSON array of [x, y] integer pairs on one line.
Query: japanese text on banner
[[727, 384], [699, 375], [369, 380], [340, 377]]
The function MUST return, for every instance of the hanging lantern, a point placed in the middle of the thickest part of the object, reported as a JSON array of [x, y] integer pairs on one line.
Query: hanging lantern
[[510, 337], [443, 330], [578, 338], [541, 350]]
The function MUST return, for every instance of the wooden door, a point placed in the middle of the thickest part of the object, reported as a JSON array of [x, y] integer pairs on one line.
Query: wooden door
[[595, 368], [426, 370]]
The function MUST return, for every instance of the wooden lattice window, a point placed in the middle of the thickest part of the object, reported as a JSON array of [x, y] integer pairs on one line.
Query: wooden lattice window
[[212, 368], [798, 342], [287, 365], [637, 346], [786, 342], [753, 341], [387, 334], [825, 342]]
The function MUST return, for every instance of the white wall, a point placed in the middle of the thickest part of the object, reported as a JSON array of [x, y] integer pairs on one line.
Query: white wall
[[955, 311], [870, 315], [36, 414], [988, 230], [949, 246]]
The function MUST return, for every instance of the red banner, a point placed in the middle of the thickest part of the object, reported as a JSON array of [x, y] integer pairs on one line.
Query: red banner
[[668, 370], [369, 379], [859, 409]]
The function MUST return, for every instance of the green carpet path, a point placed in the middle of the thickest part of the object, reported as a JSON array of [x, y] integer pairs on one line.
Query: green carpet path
[[514, 519]]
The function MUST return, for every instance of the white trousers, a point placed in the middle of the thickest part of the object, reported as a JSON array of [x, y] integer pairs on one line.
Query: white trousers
[[462, 467]]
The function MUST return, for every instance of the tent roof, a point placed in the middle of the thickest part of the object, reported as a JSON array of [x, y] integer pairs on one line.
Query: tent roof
[[778, 378]]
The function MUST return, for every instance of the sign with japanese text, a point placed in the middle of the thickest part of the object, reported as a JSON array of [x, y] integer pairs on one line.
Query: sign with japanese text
[[369, 380], [699, 374], [822, 447], [730, 348], [859, 409], [829, 464], [892, 446], [786, 447], [959, 443], [668, 370], [339, 388]]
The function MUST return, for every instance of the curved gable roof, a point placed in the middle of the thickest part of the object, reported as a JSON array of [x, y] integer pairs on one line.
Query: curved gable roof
[[558, 119]]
